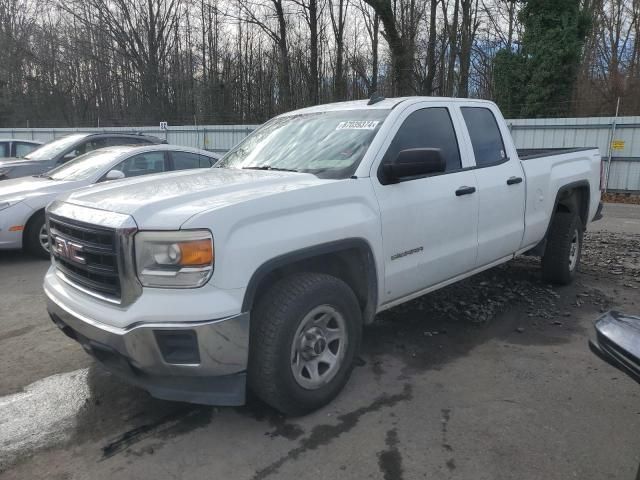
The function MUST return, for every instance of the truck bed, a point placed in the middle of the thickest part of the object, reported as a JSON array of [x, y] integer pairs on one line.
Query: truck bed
[[554, 169], [531, 153]]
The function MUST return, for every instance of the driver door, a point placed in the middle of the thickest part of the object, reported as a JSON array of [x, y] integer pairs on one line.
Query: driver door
[[430, 223]]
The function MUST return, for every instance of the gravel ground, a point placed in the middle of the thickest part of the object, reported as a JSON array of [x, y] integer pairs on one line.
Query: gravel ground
[[489, 378]]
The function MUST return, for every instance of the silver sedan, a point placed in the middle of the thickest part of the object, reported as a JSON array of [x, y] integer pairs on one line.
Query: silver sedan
[[23, 200]]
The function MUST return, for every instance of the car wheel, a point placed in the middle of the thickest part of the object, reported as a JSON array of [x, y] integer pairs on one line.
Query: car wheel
[[37, 236], [564, 247], [305, 334]]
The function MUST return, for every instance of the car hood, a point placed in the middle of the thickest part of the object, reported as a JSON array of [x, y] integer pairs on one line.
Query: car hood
[[19, 162], [166, 201], [31, 188]]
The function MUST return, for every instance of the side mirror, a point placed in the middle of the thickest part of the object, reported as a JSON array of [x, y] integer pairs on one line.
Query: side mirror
[[414, 162], [114, 175]]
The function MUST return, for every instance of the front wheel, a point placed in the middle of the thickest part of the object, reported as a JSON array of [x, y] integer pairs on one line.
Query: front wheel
[[36, 236], [305, 334], [564, 247]]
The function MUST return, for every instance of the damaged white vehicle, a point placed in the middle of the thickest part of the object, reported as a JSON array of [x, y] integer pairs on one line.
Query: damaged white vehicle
[[261, 272]]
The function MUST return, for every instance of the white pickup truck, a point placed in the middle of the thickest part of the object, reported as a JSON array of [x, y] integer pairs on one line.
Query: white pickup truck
[[262, 271]]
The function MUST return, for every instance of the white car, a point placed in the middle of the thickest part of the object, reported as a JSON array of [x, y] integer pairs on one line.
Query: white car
[[23, 200], [263, 270]]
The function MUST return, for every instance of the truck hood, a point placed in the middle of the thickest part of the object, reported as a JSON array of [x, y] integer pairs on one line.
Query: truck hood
[[165, 201]]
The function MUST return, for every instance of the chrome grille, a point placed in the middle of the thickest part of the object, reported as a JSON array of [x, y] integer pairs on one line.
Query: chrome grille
[[94, 264]]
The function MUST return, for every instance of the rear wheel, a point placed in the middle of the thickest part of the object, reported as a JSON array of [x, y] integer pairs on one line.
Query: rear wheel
[[36, 236], [305, 334], [564, 247]]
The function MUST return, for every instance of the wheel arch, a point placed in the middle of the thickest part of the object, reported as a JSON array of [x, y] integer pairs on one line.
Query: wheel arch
[[350, 259], [572, 197], [29, 223]]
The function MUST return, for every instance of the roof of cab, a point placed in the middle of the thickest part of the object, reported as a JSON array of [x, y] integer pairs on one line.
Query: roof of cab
[[386, 104]]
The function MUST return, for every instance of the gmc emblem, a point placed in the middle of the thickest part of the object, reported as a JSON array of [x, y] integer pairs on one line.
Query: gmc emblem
[[68, 250]]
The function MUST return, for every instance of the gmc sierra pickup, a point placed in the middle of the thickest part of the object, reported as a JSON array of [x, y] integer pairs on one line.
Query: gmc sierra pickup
[[262, 271]]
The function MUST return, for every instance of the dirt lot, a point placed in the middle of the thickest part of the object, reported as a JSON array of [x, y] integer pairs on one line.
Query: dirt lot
[[487, 379]]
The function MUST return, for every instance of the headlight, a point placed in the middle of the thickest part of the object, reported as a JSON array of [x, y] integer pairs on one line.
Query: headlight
[[4, 171], [4, 204], [180, 259]]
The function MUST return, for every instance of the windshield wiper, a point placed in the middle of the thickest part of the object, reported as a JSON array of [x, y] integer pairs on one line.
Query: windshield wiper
[[268, 167], [43, 175]]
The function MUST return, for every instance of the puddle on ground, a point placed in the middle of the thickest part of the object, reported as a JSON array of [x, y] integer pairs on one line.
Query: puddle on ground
[[42, 414]]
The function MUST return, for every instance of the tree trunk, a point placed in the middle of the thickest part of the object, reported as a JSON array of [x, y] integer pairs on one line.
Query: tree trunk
[[466, 42], [373, 87], [431, 50], [338, 19], [453, 50], [314, 86], [285, 63]]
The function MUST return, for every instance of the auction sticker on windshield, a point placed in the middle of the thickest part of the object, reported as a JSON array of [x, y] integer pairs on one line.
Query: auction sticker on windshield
[[358, 125]]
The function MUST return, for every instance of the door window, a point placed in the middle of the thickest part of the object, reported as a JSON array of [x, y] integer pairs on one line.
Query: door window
[[187, 160], [428, 128], [83, 148], [142, 164], [24, 148], [116, 141], [486, 138], [4, 149], [95, 144]]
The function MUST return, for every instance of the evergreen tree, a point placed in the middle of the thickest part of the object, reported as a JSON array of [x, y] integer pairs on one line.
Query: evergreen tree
[[509, 76], [554, 32]]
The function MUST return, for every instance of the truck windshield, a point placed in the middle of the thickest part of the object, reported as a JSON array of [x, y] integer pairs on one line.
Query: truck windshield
[[327, 144]]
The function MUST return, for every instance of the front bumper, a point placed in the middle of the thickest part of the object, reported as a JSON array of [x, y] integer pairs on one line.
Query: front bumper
[[198, 362]]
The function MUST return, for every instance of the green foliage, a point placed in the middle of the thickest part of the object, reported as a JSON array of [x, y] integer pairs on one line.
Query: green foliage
[[509, 76], [4, 103], [538, 81]]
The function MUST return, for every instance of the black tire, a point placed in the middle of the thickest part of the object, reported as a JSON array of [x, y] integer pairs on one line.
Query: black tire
[[274, 322], [557, 267], [32, 234]]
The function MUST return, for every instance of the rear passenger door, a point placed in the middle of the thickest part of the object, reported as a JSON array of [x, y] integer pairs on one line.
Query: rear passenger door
[[429, 226], [501, 187]]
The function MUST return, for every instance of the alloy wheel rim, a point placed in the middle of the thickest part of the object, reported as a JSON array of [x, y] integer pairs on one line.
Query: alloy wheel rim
[[318, 348], [43, 238], [574, 249]]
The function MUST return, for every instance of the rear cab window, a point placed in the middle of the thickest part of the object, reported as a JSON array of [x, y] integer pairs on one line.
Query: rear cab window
[[486, 139]]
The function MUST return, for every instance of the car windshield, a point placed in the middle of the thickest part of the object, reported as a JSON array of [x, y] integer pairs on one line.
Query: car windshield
[[327, 144], [85, 166], [51, 149]]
